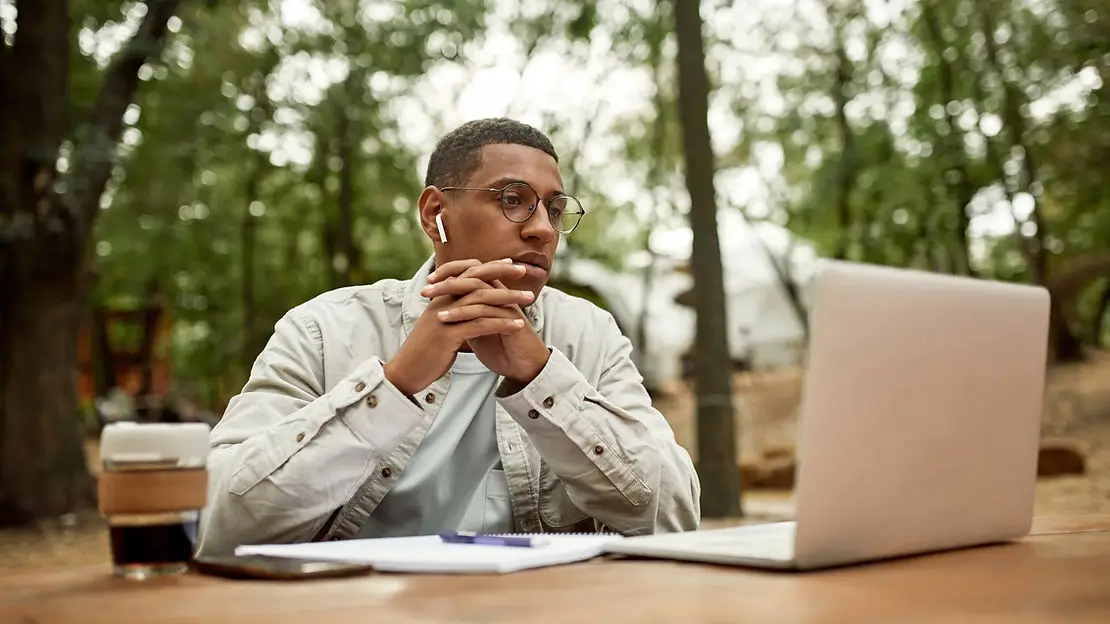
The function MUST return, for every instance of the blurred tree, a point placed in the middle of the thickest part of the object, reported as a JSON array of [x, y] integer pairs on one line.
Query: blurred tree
[[46, 219], [270, 156], [716, 423], [936, 120], [271, 169]]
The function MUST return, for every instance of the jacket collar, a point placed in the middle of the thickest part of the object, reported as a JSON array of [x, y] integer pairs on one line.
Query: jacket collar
[[413, 303]]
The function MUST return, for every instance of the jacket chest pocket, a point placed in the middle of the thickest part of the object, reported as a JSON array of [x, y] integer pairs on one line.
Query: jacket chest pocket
[[497, 514], [557, 511]]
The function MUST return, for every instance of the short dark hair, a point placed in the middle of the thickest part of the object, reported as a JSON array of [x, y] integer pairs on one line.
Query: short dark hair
[[458, 154]]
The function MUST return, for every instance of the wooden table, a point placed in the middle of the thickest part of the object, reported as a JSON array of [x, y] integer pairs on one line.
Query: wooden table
[[1061, 573]]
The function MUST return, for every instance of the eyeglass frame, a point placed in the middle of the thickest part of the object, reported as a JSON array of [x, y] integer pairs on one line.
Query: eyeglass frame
[[531, 209]]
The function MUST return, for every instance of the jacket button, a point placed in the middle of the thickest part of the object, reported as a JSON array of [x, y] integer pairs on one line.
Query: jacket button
[[359, 387], [300, 437], [548, 402], [533, 414], [387, 472], [599, 449], [372, 401], [430, 397]]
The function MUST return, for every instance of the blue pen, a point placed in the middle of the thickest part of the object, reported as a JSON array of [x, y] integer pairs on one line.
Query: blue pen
[[468, 537]]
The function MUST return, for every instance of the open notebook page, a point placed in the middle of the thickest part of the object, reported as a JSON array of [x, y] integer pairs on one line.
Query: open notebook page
[[429, 554]]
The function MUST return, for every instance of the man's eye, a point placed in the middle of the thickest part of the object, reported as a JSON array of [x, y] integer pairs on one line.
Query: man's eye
[[512, 199], [557, 206]]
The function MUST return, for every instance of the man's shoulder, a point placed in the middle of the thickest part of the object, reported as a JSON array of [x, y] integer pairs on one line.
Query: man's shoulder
[[586, 333], [341, 303], [560, 306]]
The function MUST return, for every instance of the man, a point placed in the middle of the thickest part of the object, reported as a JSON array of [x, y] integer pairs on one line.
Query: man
[[467, 398]]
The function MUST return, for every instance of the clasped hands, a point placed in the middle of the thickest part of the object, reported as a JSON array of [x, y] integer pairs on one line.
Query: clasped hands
[[470, 306]]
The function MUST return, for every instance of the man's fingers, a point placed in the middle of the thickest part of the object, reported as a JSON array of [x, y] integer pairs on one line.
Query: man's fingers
[[455, 268], [497, 297], [451, 269], [486, 326], [462, 313], [457, 287], [490, 302], [497, 269], [497, 285], [491, 272]]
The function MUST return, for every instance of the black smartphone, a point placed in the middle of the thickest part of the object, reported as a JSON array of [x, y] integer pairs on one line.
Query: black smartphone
[[276, 568]]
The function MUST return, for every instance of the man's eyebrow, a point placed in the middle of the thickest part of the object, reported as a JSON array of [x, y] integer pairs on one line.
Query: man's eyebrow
[[505, 181], [502, 182]]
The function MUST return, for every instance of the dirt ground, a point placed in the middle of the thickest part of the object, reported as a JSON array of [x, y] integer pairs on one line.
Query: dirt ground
[[1077, 406]]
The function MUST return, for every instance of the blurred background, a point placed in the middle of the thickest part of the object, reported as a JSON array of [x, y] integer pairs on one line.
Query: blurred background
[[176, 174]]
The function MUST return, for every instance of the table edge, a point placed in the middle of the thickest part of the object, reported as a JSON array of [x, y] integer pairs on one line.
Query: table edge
[[1042, 526]]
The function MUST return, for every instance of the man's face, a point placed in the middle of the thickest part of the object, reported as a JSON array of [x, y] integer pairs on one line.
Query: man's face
[[477, 228]]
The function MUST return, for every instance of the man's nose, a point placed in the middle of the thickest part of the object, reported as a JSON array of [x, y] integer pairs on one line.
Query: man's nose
[[539, 225]]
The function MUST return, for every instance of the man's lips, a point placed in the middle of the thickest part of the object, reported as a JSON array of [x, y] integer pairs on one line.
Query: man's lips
[[534, 262], [531, 270]]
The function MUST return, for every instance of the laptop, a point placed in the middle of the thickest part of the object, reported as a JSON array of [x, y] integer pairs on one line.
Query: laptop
[[919, 428]]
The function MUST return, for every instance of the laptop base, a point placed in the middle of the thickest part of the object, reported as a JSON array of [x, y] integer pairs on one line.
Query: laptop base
[[768, 545]]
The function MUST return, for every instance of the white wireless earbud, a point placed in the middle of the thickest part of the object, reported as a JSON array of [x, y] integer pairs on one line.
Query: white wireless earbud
[[439, 226]]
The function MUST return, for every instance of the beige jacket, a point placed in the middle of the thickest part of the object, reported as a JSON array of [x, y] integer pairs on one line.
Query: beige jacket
[[318, 436]]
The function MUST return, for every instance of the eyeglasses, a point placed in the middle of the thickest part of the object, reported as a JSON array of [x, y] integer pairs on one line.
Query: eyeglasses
[[519, 201]]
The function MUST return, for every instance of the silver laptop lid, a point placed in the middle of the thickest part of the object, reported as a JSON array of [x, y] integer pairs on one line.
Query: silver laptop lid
[[921, 413]]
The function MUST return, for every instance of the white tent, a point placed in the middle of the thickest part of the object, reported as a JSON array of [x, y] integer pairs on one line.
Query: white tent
[[763, 327], [670, 326]]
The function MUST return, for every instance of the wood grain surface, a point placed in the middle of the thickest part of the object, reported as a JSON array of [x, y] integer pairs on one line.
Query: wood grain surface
[[1061, 573]]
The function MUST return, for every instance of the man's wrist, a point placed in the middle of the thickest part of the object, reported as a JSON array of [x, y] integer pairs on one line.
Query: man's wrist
[[527, 374], [389, 370]]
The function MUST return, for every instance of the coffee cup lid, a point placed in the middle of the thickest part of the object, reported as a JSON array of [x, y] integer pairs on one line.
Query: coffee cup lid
[[185, 444]]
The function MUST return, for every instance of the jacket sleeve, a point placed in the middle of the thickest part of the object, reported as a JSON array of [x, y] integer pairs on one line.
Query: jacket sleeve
[[614, 453], [283, 432]]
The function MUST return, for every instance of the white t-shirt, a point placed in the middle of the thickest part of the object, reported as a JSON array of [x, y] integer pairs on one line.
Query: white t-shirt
[[454, 481]]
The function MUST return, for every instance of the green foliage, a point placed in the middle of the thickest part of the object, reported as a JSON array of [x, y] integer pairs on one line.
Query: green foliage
[[878, 155], [210, 217], [905, 173]]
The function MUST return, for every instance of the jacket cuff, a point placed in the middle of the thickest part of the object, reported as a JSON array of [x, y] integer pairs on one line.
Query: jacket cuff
[[551, 398], [376, 411]]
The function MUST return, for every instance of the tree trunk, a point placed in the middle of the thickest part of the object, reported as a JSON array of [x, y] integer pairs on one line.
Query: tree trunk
[[42, 465], [254, 334], [655, 171], [953, 142], [1014, 124], [46, 233], [1102, 310], [151, 320], [846, 166], [716, 421], [1062, 341], [785, 276], [40, 302], [926, 228], [247, 235], [1065, 285], [347, 247], [104, 373], [318, 175]]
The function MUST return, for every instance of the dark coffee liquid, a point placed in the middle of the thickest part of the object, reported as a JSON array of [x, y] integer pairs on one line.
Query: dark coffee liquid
[[163, 543]]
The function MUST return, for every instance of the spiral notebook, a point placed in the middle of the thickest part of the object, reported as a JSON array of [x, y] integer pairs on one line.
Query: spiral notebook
[[430, 554]]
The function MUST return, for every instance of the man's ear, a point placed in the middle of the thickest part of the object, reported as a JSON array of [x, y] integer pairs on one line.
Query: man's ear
[[430, 204]]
